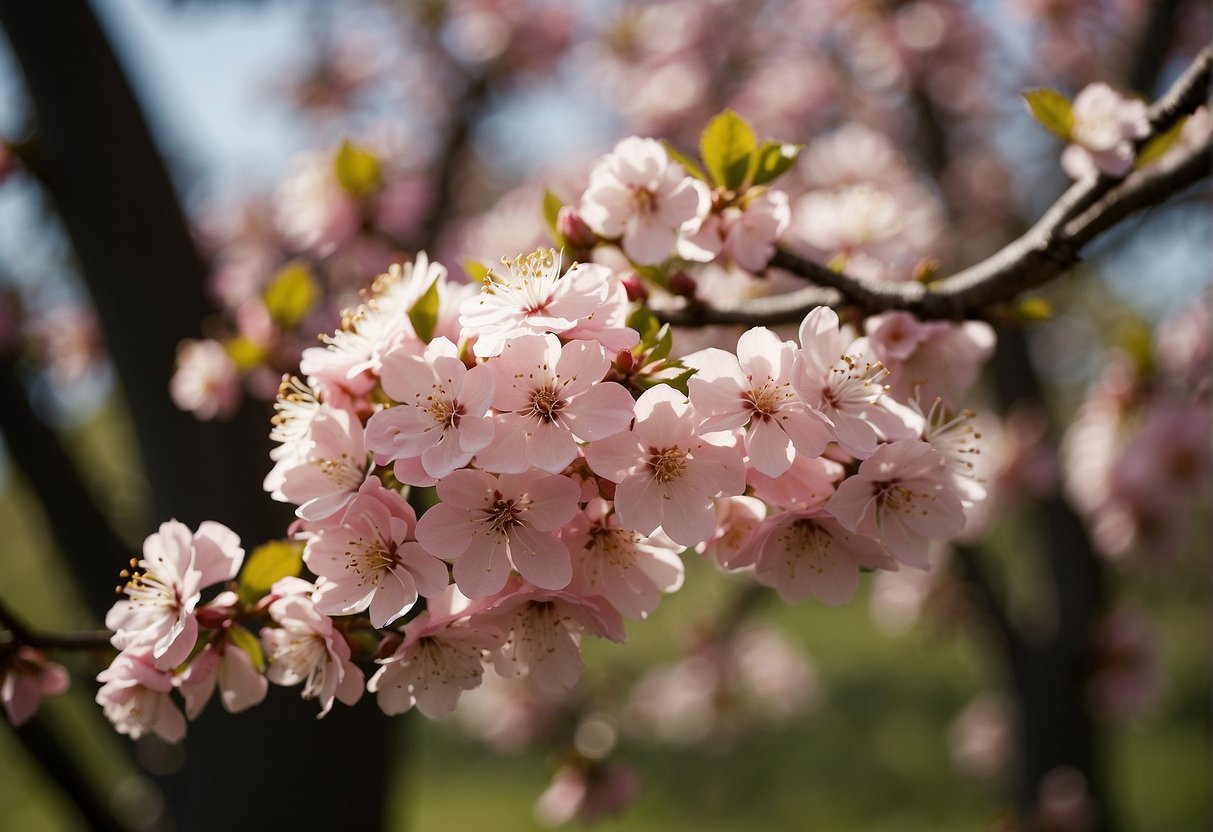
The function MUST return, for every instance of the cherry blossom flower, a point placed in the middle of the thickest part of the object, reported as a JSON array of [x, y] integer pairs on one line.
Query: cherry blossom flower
[[901, 496], [737, 519], [442, 656], [855, 218], [636, 193], [745, 233], [627, 569], [544, 633], [324, 477], [227, 666], [534, 298], [587, 795], [808, 482], [166, 586], [370, 561], [1106, 124], [838, 376], [205, 382], [487, 524], [441, 420], [929, 359], [26, 678], [135, 697], [305, 647], [667, 474], [547, 398], [754, 390], [803, 553]]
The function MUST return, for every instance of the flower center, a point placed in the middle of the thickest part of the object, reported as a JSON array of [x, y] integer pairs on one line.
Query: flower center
[[502, 515], [446, 412], [765, 401], [667, 465], [545, 403], [892, 496]]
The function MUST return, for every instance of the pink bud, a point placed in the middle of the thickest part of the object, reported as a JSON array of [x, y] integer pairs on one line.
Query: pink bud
[[572, 227], [625, 361], [635, 287], [683, 285]]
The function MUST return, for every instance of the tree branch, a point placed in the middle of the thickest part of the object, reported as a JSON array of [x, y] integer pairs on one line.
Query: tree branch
[[19, 633], [1047, 250]]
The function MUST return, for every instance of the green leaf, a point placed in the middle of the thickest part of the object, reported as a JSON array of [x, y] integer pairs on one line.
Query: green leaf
[[1033, 310], [290, 295], [1052, 110], [654, 275], [249, 643], [1160, 144], [679, 382], [268, 563], [551, 211], [726, 145], [692, 167], [664, 343], [773, 160], [245, 353], [475, 270], [644, 322], [424, 313], [358, 170]]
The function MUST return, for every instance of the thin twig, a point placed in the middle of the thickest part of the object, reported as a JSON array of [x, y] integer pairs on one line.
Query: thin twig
[[19, 633]]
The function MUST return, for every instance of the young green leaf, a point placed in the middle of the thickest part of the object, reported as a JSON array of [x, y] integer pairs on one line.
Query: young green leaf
[[1160, 144], [726, 145], [268, 563], [773, 160], [247, 642], [290, 295], [692, 167], [551, 211], [424, 313], [244, 352], [1052, 110], [475, 270], [358, 170]]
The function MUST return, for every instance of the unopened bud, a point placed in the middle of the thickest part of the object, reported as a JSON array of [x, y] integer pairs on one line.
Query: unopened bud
[[635, 287], [625, 361], [214, 617], [572, 227], [387, 646], [683, 285]]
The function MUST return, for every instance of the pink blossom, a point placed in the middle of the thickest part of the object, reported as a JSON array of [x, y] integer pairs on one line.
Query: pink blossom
[[441, 420], [325, 474], [856, 218], [902, 497], [1127, 675], [1106, 124], [442, 656], [222, 663], [746, 233], [608, 323], [205, 382], [313, 211], [586, 795], [803, 553], [548, 398], [807, 483], [28, 677], [636, 193], [737, 519], [667, 474], [754, 390], [838, 376], [929, 359], [305, 647], [487, 524], [535, 298], [627, 569], [135, 697], [166, 586], [371, 561], [544, 633]]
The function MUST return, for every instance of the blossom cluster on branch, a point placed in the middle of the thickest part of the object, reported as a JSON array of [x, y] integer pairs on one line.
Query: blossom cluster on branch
[[575, 449]]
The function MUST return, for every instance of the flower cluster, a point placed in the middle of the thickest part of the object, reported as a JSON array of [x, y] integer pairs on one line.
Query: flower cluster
[[485, 477]]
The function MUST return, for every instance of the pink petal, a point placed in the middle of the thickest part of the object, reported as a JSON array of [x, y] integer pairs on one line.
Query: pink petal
[[445, 531], [615, 457], [484, 567], [217, 553], [241, 685], [581, 365], [688, 517], [507, 454], [540, 558], [604, 410], [477, 389], [554, 499], [638, 502], [395, 595], [769, 448], [551, 447]]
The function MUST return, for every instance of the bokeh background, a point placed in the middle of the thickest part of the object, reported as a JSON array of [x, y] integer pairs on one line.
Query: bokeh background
[[728, 709]]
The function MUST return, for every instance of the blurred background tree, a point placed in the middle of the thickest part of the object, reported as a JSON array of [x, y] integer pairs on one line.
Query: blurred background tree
[[1052, 675]]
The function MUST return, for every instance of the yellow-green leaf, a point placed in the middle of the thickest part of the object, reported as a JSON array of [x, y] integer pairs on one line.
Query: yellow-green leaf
[[245, 353], [1160, 144], [686, 161], [773, 160], [1032, 310], [268, 563], [1052, 110], [424, 313], [290, 295], [249, 643], [551, 211], [475, 270], [726, 145], [358, 170]]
